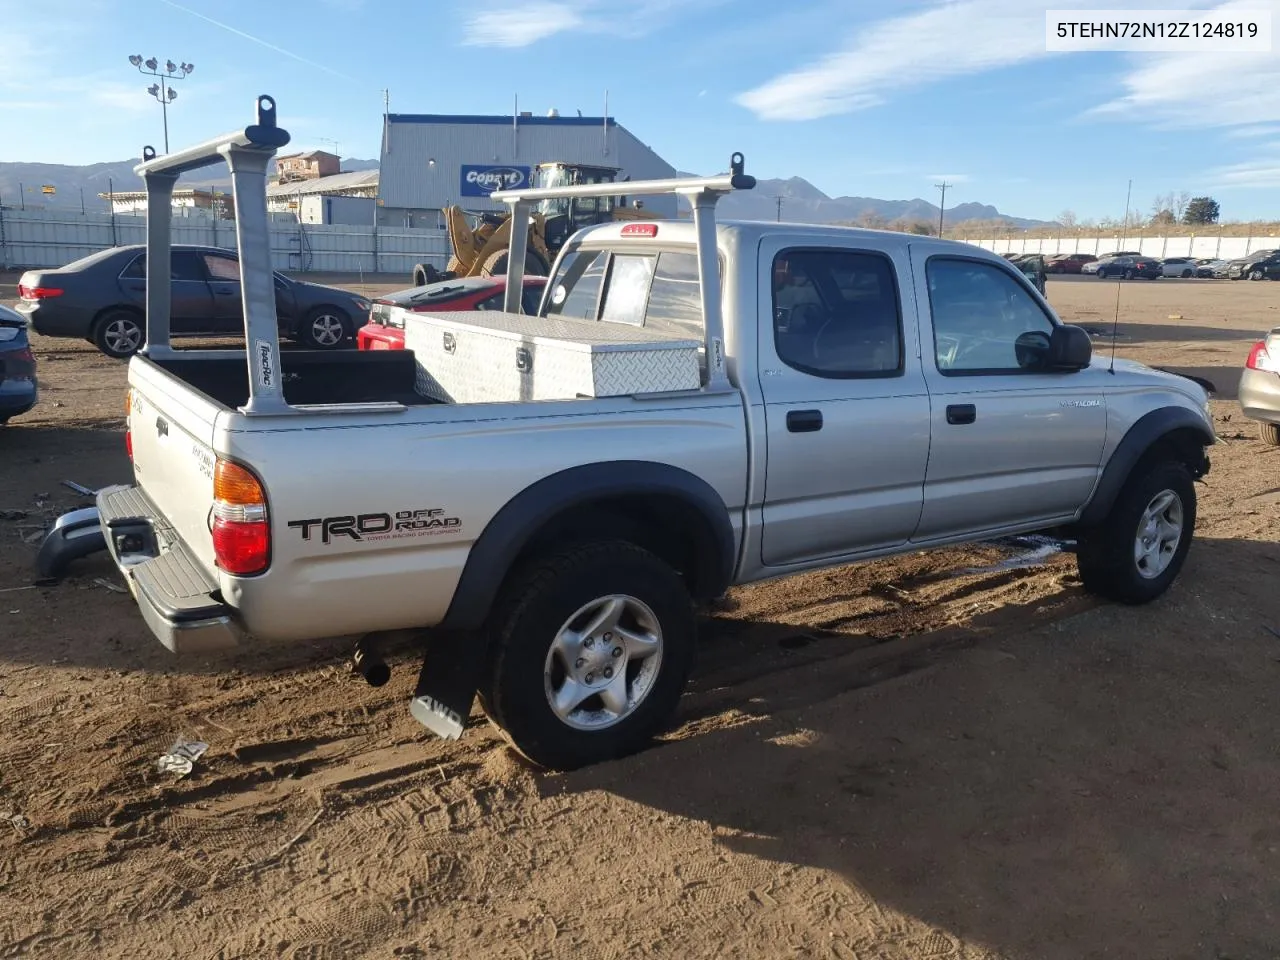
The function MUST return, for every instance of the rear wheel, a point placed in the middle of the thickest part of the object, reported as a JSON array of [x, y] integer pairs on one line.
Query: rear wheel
[[1187, 274], [325, 328], [119, 333], [1128, 274], [495, 265], [1135, 553], [591, 650], [1269, 433]]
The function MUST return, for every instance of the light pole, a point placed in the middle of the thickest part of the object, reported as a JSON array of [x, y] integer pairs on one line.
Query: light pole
[[162, 91], [942, 204]]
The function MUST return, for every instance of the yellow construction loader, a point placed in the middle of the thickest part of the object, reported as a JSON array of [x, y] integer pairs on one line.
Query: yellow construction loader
[[479, 248]]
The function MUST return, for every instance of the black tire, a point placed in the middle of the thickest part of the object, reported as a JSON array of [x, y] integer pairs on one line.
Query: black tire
[[495, 265], [1257, 275], [1269, 433], [119, 333], [420, 276], [533, 609], [1128, 274], [1101, 274], [1105, 553], [1187, 274], [325, 328]]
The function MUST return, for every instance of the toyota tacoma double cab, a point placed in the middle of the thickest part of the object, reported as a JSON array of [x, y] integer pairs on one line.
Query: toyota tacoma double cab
[[859, 394]]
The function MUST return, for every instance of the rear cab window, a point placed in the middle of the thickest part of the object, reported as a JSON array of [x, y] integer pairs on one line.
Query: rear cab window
[[654, 289]]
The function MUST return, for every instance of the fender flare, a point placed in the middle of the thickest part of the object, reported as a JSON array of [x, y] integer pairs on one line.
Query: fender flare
[[1139, 439], [521, 518]]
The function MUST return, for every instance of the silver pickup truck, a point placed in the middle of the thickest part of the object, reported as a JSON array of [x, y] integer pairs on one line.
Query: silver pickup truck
[[862, 393]]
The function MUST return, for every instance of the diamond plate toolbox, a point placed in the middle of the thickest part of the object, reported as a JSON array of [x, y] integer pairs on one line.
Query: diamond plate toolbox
[[495, 357]]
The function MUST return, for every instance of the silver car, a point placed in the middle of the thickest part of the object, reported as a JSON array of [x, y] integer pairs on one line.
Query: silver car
[[1260, 387]]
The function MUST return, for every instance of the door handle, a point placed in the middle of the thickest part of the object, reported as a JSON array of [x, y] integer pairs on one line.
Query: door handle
[[804, 421], [961, 413]]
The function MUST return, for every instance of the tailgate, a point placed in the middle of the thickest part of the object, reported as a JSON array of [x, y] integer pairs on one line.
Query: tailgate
[[171, 427]]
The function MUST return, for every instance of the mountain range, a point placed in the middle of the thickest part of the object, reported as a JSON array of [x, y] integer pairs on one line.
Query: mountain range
[[802, 202]]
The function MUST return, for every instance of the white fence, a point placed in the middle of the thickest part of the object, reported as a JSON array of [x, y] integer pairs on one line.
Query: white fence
[[47, 238], [1212, 245]]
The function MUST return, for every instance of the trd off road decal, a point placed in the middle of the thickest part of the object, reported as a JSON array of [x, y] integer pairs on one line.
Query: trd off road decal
[[379, 526]]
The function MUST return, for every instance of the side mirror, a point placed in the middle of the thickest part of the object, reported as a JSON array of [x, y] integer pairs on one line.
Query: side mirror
[[1069, 348]]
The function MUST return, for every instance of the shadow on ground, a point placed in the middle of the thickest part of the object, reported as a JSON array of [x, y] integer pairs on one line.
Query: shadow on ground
[[1128, 813]]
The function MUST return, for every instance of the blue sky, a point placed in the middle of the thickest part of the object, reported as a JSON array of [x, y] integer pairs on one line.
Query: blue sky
[[866, 98]]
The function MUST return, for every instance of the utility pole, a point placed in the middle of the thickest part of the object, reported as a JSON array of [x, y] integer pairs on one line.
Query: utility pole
[[942, 204], [162, 91], [778, 200]]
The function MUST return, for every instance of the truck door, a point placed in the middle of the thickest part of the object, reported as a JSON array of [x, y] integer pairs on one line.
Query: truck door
[[846, 409], [1010, 445]]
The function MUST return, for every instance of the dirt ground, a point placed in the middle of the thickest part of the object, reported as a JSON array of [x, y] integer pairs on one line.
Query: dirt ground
[[903, 759]]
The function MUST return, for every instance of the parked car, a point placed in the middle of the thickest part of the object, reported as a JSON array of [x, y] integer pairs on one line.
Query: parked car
[[102, 298], [560, 545], [1212, 269], [1259, 390], [18, 390], [385, 329], [1148, 268], [1068, 262], [1111, 255], [1184, 267], [1093, 266], [1259, 265]]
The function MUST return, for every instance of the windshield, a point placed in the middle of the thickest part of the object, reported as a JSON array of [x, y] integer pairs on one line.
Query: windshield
[[552, 177]]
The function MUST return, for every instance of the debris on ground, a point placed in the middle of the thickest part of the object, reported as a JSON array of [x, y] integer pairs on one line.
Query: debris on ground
[[13, 514], [113, 587], [181, 757], [1035, 551], [80, 488], [15, 820]]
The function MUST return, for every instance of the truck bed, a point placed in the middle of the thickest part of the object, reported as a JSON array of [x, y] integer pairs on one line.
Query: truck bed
[[310, 377]]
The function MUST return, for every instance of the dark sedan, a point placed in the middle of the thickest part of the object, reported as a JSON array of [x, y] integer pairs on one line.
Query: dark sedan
[[1148, 268], [102, 298], [17, 366]]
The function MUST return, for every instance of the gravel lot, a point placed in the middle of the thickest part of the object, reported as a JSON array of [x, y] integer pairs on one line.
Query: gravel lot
[[900, 759]]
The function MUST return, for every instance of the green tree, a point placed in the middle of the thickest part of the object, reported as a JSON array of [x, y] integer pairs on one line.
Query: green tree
[[1201, 210]]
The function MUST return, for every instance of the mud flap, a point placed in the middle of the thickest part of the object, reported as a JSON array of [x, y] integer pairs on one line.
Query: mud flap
[[447, 683]]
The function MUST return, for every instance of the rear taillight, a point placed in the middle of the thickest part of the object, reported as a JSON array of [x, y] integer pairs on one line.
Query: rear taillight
[[1259, 359], [241, 532], [38, 293], [128, 437], [20, 365]]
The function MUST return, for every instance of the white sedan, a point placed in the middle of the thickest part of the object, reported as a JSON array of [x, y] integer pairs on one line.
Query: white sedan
[[1178, 267]]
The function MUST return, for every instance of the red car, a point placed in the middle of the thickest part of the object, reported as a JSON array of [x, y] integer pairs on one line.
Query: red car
[[471, 293], [1068, 262]]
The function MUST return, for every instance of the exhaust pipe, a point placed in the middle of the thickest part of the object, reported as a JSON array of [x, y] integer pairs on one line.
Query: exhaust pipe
[[369, 664]]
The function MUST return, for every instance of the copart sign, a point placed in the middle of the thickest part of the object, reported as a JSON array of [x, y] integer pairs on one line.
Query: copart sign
[[480, 181]]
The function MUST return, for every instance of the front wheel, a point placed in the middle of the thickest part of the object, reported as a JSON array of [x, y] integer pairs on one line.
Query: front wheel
[[1128, 274], [1187, 274], [1255, 275], [591, 650], [1135, 553], [325, 328]]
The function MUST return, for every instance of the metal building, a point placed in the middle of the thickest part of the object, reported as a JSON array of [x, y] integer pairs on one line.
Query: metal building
[[430, 161]]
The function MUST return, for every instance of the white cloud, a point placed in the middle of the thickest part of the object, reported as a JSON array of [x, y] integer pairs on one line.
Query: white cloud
[[1253, 131], [1190, 90], [948, 39], [520, 26], [1260, 172]]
